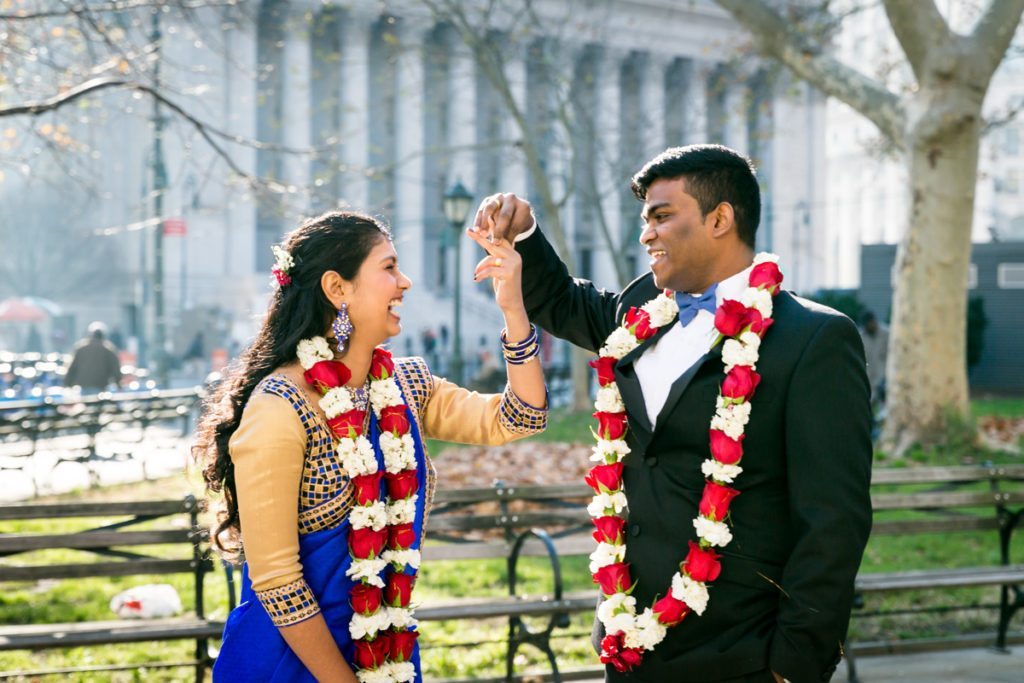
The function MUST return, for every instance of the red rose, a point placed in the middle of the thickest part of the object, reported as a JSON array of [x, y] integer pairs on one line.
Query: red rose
[[754, 321], [724, 449], [347, 425], [381, 367], [402, 484], [701, 564], [327, 375], [639, 321], [402, 643], [670, 611], [613, 578], [372, 653], [610, 529], [611, 425], [401, 536], [394, 419], [367, 487], [398, 590], [365, 598], [765, 324], [730, 317], [605, 478], [605, 366], [766, 275], [714, 504], [614, 652], [366, 543], [740, 382]]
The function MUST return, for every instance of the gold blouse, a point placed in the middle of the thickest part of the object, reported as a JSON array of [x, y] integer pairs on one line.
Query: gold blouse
[[283, 452]]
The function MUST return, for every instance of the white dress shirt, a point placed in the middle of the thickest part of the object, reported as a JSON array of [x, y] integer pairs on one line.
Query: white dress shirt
[[679, 348]]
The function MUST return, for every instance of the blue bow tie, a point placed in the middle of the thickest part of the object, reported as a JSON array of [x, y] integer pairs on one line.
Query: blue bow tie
[[689, 305]]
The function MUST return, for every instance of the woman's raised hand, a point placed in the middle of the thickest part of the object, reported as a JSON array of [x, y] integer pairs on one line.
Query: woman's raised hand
[[505, 267]]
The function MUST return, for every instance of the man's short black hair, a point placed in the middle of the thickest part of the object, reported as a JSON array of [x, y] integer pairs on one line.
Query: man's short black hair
[[713, 174], [868, 317]]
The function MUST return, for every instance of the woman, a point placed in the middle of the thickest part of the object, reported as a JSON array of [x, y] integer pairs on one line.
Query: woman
[[317, 443]]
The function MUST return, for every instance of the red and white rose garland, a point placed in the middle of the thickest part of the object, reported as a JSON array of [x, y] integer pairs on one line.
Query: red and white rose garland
[[741, 324], [383, 531]]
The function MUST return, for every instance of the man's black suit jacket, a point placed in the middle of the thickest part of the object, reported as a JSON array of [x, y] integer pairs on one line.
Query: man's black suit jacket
[[803, 516]]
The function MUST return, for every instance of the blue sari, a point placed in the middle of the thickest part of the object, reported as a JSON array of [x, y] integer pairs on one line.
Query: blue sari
[[253, 649]]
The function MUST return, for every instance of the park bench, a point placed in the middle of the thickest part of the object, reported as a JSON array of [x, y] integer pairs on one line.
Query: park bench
[[112, 549], [552, 521], [945, 500], [24, 424]]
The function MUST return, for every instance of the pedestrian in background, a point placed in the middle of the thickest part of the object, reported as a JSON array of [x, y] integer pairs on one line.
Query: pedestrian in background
[[94, 366]]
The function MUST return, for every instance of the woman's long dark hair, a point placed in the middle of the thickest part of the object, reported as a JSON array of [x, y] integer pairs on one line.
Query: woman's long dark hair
[[338, 241]]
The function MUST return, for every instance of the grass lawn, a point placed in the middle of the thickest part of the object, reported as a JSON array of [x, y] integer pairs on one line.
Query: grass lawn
[[467, 649]]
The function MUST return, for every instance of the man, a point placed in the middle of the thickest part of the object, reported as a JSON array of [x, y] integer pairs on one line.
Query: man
[[875, 337], [780, 608], [94, 366]]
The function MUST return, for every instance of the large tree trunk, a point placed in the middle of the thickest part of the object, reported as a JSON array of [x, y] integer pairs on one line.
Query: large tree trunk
[[927, 367]]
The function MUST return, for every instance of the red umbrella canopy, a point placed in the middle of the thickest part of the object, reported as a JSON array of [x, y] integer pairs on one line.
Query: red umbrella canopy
[[19, 310]]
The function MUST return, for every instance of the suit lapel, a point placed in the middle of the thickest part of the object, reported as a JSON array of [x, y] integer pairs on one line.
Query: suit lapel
[[629, 387], [681, 384]]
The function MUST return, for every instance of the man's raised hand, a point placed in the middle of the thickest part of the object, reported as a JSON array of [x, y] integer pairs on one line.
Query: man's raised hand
[[503, 216]]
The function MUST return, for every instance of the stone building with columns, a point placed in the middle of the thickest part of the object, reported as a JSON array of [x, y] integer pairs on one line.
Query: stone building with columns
[[383, 106]]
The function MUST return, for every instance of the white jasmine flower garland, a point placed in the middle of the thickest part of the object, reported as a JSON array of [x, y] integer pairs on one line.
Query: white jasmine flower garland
[[617, 612]]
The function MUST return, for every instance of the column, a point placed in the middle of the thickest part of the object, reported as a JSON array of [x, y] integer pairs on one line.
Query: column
[[297, 124], [355, 98], [409, 179]]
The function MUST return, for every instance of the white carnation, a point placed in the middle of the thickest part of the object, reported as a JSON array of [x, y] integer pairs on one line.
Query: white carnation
[[662, 310], [402, 511], [740, 412], [385, 393], [357, 456], [719, 472], [401, 672], [736, 353], [606, 554], [732, 427], [752, 340], [362, 626], [609, 400], [761, 299], [648, 632], [382, 674], [337, 401], [374, 516], [609, 452], [399, 452], [693, 593], [619, 343], [765, 257], [312, 351], [367, 569], [620, 622], [400, 617], [614, 606], [603, 501], [715, 533], [401, 558]]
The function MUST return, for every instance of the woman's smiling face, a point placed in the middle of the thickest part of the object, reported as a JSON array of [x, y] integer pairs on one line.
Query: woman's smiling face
[[377, 292]]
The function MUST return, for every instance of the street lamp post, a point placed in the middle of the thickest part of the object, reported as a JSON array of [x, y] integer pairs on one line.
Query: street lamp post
[[457, 202]]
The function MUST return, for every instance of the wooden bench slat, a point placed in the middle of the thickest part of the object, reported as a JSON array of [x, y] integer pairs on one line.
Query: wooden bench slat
[[944, 499], [55, 510], [924, 475], [513, 519], [941, 578], [573, 545], [923, 526], [526, 492], [507, 606], [11, 543], [77, 571], [41, 636]]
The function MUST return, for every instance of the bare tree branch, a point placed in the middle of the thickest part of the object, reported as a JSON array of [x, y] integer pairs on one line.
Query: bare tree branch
[[26, 15], [992, 34], [776, 38], [918, 26]]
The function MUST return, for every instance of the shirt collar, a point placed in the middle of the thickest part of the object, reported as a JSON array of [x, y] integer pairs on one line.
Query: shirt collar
[[732, 287]]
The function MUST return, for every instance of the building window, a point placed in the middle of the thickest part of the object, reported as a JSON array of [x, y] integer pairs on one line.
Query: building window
[[1010, 275]]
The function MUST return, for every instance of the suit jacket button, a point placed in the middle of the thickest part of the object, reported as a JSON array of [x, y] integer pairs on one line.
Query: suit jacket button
[[651, 461], [634, 530]]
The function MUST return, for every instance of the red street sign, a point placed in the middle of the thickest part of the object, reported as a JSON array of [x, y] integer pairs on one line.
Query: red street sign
[[175, 226]]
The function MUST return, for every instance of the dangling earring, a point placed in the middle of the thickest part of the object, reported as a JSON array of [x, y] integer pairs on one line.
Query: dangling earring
[[342, 327]]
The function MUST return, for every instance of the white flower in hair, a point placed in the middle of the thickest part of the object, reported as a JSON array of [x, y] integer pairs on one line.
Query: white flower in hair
[[312, 351], [282, 259], [693, 593], [715, 533]]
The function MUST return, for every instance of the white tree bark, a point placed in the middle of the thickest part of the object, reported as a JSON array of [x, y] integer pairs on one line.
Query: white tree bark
[[937, 126]]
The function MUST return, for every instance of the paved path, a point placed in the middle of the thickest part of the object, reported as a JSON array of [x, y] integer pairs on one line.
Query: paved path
[[160, 452]]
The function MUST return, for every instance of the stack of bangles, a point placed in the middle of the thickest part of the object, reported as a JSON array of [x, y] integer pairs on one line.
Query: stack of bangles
[[520, 353]]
